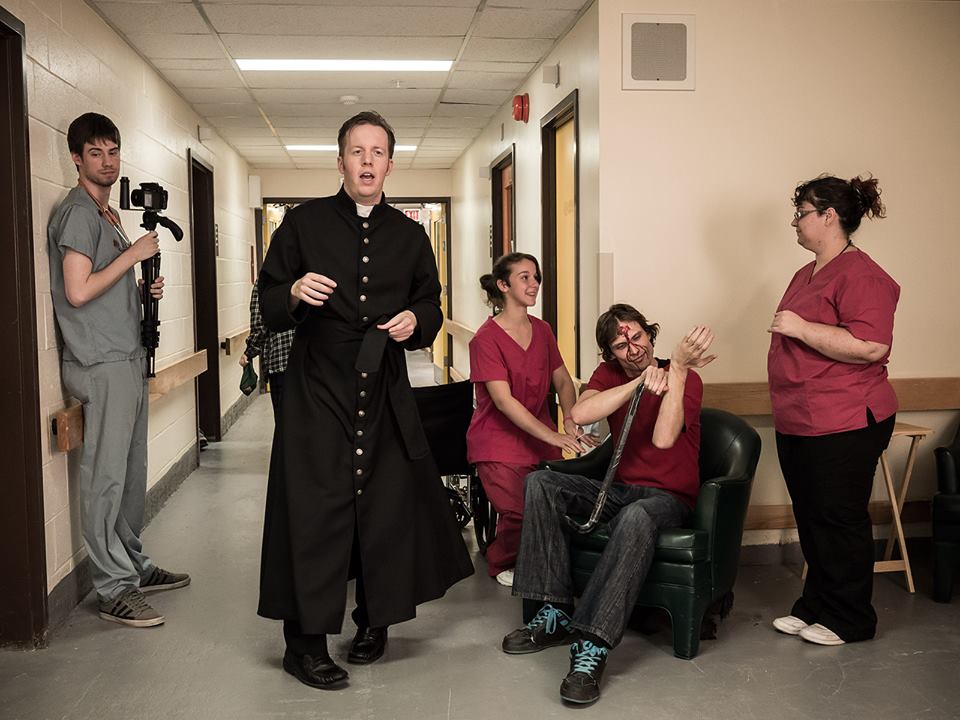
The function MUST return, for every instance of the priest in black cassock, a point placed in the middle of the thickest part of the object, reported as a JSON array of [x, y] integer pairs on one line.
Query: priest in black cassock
[[353, 491]]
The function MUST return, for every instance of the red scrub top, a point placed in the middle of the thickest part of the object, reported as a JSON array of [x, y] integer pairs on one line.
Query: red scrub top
[[676, 469], [812, 394], [494, 355]]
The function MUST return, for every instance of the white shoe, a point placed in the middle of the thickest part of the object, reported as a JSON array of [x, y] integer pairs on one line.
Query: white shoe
[[506, 578], [820, 635], [789, 625]]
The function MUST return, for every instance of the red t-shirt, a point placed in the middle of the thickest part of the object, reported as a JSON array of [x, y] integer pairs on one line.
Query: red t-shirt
[[676, 469], [812, 394], [494, 355]]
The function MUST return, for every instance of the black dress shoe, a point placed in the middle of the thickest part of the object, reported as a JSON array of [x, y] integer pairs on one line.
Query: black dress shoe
[[368, 645], [317, 671]]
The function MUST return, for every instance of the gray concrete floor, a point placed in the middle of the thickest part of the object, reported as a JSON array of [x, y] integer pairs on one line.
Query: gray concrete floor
[[214, 658]]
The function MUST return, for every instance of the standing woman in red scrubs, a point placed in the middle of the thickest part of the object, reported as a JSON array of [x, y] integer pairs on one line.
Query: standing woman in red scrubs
[[513, 359], [833, 407]]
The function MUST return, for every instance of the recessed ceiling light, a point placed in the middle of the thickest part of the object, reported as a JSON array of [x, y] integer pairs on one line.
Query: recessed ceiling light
[[335, 148], [307, 65]]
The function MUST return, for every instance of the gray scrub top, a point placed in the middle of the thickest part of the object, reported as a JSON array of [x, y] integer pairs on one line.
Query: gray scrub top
[[108, 327]]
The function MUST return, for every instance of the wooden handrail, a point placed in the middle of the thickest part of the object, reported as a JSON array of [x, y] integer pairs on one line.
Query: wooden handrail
[[177, 373], [459, 330], [232, 343], [67, 423]]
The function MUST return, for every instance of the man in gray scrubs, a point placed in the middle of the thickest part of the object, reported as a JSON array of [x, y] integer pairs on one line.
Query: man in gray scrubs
[[97, 303]]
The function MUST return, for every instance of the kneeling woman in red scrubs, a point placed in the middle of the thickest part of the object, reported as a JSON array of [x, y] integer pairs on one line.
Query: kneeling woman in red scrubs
[[513, 359]]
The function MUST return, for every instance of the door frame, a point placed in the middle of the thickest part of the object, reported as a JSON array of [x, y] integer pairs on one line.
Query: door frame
[[565, 111], [505, 159], [24, 617], [205, 255]]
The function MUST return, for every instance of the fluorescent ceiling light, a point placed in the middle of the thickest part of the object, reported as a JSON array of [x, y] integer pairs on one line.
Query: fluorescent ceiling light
[[335, 148], [307, 65]]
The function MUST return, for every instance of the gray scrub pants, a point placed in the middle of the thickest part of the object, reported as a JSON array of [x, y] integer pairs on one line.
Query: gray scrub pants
[[113, 470]]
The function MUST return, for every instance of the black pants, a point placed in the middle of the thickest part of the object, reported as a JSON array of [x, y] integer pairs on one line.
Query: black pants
[[830, 478], [300, 643]]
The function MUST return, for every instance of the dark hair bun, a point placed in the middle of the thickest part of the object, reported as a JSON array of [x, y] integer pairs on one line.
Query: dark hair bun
[[868, 193]]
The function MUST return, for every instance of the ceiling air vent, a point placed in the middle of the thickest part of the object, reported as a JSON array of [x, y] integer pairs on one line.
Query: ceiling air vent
[[658, 52]]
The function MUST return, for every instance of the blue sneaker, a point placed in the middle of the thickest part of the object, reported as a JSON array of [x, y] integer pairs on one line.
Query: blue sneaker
[[582, 683], [549, 628]]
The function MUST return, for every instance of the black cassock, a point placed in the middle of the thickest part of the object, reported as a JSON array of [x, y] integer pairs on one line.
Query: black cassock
[[349, 454]]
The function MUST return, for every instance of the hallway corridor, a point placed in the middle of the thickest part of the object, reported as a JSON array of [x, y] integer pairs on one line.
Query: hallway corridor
[[214, 659]]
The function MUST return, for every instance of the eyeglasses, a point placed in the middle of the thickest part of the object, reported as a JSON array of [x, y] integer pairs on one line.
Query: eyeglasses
[[799, 215]]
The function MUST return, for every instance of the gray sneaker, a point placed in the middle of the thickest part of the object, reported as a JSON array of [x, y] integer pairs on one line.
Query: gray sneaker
[[160, 579], [130, 608]]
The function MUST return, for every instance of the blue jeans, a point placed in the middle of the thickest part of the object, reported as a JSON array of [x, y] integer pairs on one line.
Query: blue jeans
[[635, 513]]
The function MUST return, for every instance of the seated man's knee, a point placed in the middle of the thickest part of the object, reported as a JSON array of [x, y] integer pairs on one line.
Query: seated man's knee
[[635, 517]]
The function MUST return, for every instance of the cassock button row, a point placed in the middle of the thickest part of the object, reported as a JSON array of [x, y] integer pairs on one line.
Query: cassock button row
[[359, 451], [365, 259], [366, 225], [360, 491], [364, 318], [359, 433], [363, 298], [364, 279], [366, 241], [359, 471], [363, 375], [363, 393], [361, 413]]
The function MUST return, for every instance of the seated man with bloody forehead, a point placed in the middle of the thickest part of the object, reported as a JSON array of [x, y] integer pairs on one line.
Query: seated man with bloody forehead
[[656, 487]]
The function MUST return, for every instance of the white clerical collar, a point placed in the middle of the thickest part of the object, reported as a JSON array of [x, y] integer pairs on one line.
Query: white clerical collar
[[364, 210]]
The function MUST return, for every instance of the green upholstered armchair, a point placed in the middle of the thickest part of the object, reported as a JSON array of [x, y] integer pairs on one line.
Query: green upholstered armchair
[[693, 567], [946, 520]]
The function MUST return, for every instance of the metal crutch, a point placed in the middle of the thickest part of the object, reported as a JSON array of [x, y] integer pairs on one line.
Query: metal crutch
[[611, 469]]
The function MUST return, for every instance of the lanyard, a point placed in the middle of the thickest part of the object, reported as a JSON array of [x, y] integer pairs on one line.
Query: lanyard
[[112, 218]]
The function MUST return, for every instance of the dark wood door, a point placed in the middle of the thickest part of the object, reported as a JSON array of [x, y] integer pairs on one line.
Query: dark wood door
[[205, 251]]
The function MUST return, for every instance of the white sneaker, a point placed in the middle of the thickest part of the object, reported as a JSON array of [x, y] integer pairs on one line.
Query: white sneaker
[[506, 578], [820, 635], [789, 625]]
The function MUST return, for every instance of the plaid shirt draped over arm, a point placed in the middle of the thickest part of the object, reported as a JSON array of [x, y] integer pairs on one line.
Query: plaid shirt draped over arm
[[274, 348]]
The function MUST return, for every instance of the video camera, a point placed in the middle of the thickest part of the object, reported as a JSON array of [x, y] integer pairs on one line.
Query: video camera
[[152, 198]]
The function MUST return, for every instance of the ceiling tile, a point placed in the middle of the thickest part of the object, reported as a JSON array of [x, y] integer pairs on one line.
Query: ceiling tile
[[510, 23], [188, 63], [133, 17], [168, 45], [346, 81], [475, 123], [203, 78], [481, 66], [388, 110], [529, 50], [228, 122], [214, 94], [227, 109], [470, 110], [316, 20], [486, 80], [541, 4], [379, 3], [416, 47], [366, 96], [480, 97]]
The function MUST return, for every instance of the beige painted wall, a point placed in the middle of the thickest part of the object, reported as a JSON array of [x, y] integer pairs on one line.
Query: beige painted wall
[[76, 64], [472, 210], [317, 183], [688, 201]]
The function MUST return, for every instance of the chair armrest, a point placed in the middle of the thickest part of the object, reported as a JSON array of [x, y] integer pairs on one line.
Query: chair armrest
[[592, 465], [721, 511], [947, 480]]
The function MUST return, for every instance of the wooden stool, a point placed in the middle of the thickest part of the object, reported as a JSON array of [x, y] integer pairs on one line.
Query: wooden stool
[[916, 433]]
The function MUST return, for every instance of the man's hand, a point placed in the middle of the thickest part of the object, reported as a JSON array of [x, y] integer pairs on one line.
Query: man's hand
[[586, 440], [243, 359], [156, 290], [313, 288], [691, 350], [145, 247], [654, 380], [787, 322], [400, 326]]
